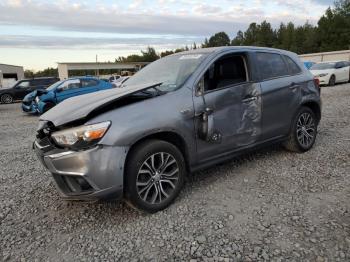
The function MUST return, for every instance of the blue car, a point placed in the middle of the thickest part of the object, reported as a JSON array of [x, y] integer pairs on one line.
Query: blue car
[[40, 101]]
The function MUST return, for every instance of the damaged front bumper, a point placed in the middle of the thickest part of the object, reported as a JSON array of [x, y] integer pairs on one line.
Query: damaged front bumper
[[91, 174], [31, 108]]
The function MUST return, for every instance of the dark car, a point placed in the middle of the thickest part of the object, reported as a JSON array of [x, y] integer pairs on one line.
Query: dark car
[[179, 114], [24, 87]]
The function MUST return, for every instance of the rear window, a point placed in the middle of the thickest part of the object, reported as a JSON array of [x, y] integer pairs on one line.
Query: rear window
[[294, 69], [271, 65]]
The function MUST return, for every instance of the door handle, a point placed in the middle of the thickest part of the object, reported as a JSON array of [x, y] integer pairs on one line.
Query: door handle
[[249, 99]]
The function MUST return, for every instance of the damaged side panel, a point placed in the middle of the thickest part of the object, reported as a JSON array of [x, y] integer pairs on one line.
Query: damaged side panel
[[236, 117]]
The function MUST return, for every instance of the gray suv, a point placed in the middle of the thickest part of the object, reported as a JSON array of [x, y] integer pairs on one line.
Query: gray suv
[[179, 114]]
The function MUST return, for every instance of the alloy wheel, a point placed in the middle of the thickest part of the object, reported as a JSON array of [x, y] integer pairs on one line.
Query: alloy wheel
[[157, 178], [306, 129], [6, 99]]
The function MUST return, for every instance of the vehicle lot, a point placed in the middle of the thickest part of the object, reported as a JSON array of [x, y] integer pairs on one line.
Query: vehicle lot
[[268, 205]]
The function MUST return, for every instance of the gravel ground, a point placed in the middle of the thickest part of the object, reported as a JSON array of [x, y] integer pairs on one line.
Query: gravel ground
[[269, 205]]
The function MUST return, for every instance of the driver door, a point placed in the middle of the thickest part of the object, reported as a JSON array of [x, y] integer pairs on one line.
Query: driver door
[[233, 105]]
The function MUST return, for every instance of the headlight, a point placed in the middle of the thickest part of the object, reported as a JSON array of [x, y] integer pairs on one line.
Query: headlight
[[82, 136], [322, 75], [37, 99]]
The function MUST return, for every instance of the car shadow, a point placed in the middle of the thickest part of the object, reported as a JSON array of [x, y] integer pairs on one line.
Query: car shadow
[[206, 176]]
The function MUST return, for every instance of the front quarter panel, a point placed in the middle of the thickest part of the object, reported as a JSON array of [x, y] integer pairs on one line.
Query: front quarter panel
[[172, 112]]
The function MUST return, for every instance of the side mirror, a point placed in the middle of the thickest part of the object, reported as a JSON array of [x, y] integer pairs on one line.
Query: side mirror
[[207, 130], [59, 89]]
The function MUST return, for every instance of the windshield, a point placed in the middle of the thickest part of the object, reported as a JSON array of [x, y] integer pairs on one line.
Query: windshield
[[53, 86], [171, 71], [323, 66]]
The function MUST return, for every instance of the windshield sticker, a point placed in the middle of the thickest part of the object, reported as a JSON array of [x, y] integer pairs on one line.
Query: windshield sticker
[[185, 57]]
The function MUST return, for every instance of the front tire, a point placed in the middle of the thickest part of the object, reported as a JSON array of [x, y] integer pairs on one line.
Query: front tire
[[155, 174], [6, 99], [303, 133], [332, 81]]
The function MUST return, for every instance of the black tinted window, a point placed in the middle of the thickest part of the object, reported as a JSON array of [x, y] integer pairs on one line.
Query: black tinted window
[[271, 65], [293, 67], [225, 72], [88, 83], [43, 82]]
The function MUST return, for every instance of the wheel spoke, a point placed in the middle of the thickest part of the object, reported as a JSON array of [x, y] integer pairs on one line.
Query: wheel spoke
[[162, 190], [169, 182], [155, 195], [171, 174]]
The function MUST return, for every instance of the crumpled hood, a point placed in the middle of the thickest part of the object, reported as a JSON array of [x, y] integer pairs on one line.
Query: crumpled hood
[[31, 96], [79, 107]]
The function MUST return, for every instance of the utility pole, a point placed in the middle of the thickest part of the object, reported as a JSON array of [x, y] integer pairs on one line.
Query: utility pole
[[97, 73]]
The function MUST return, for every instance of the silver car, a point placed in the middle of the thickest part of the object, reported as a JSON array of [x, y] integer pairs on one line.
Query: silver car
[[179, 114]]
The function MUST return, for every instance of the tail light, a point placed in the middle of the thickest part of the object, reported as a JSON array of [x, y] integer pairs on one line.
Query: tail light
[[317, 84]]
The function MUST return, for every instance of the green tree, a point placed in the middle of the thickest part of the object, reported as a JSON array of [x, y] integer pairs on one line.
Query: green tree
[[239, 39], [29, 73], [219, 39]]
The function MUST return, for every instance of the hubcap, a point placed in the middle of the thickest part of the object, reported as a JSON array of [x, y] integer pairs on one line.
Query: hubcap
[[306, 129], [157, 178]]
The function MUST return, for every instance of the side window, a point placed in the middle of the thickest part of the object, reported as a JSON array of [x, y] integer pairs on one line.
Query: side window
[[89, 82], [294, 69], [70, 84], [271, 65], [23, 84], [339, 65], [224, 72]]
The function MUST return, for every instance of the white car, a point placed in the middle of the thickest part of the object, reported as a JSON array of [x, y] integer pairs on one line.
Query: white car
[[113, 78], [120, 81], [330, 73]]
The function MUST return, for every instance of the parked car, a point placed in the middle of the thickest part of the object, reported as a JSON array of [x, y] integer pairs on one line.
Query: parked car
[[114, 78], [121, 81], [308, 64], [330, 73], [41, 101], [179, 114], [24, 87]]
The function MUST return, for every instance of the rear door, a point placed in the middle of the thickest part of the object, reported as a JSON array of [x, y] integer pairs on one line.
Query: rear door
[[280, 92]]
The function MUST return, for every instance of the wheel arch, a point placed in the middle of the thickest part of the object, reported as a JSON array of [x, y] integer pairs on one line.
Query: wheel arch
[[171, 137], [315, 107]]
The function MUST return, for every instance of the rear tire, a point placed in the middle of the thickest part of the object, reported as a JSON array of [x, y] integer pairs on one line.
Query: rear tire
[[332, 81], [303, 133], [155, 174], [6, 99]]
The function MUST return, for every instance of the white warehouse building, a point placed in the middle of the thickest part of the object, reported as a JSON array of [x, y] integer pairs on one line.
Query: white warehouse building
[[9, 74]]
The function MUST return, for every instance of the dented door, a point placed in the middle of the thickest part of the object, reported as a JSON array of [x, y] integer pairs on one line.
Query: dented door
[[236, 115]]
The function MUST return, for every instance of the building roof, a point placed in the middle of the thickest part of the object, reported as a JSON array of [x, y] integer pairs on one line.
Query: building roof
[[11, 65]]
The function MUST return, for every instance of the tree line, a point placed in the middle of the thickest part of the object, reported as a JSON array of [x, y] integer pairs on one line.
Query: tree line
[[331, 33]]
